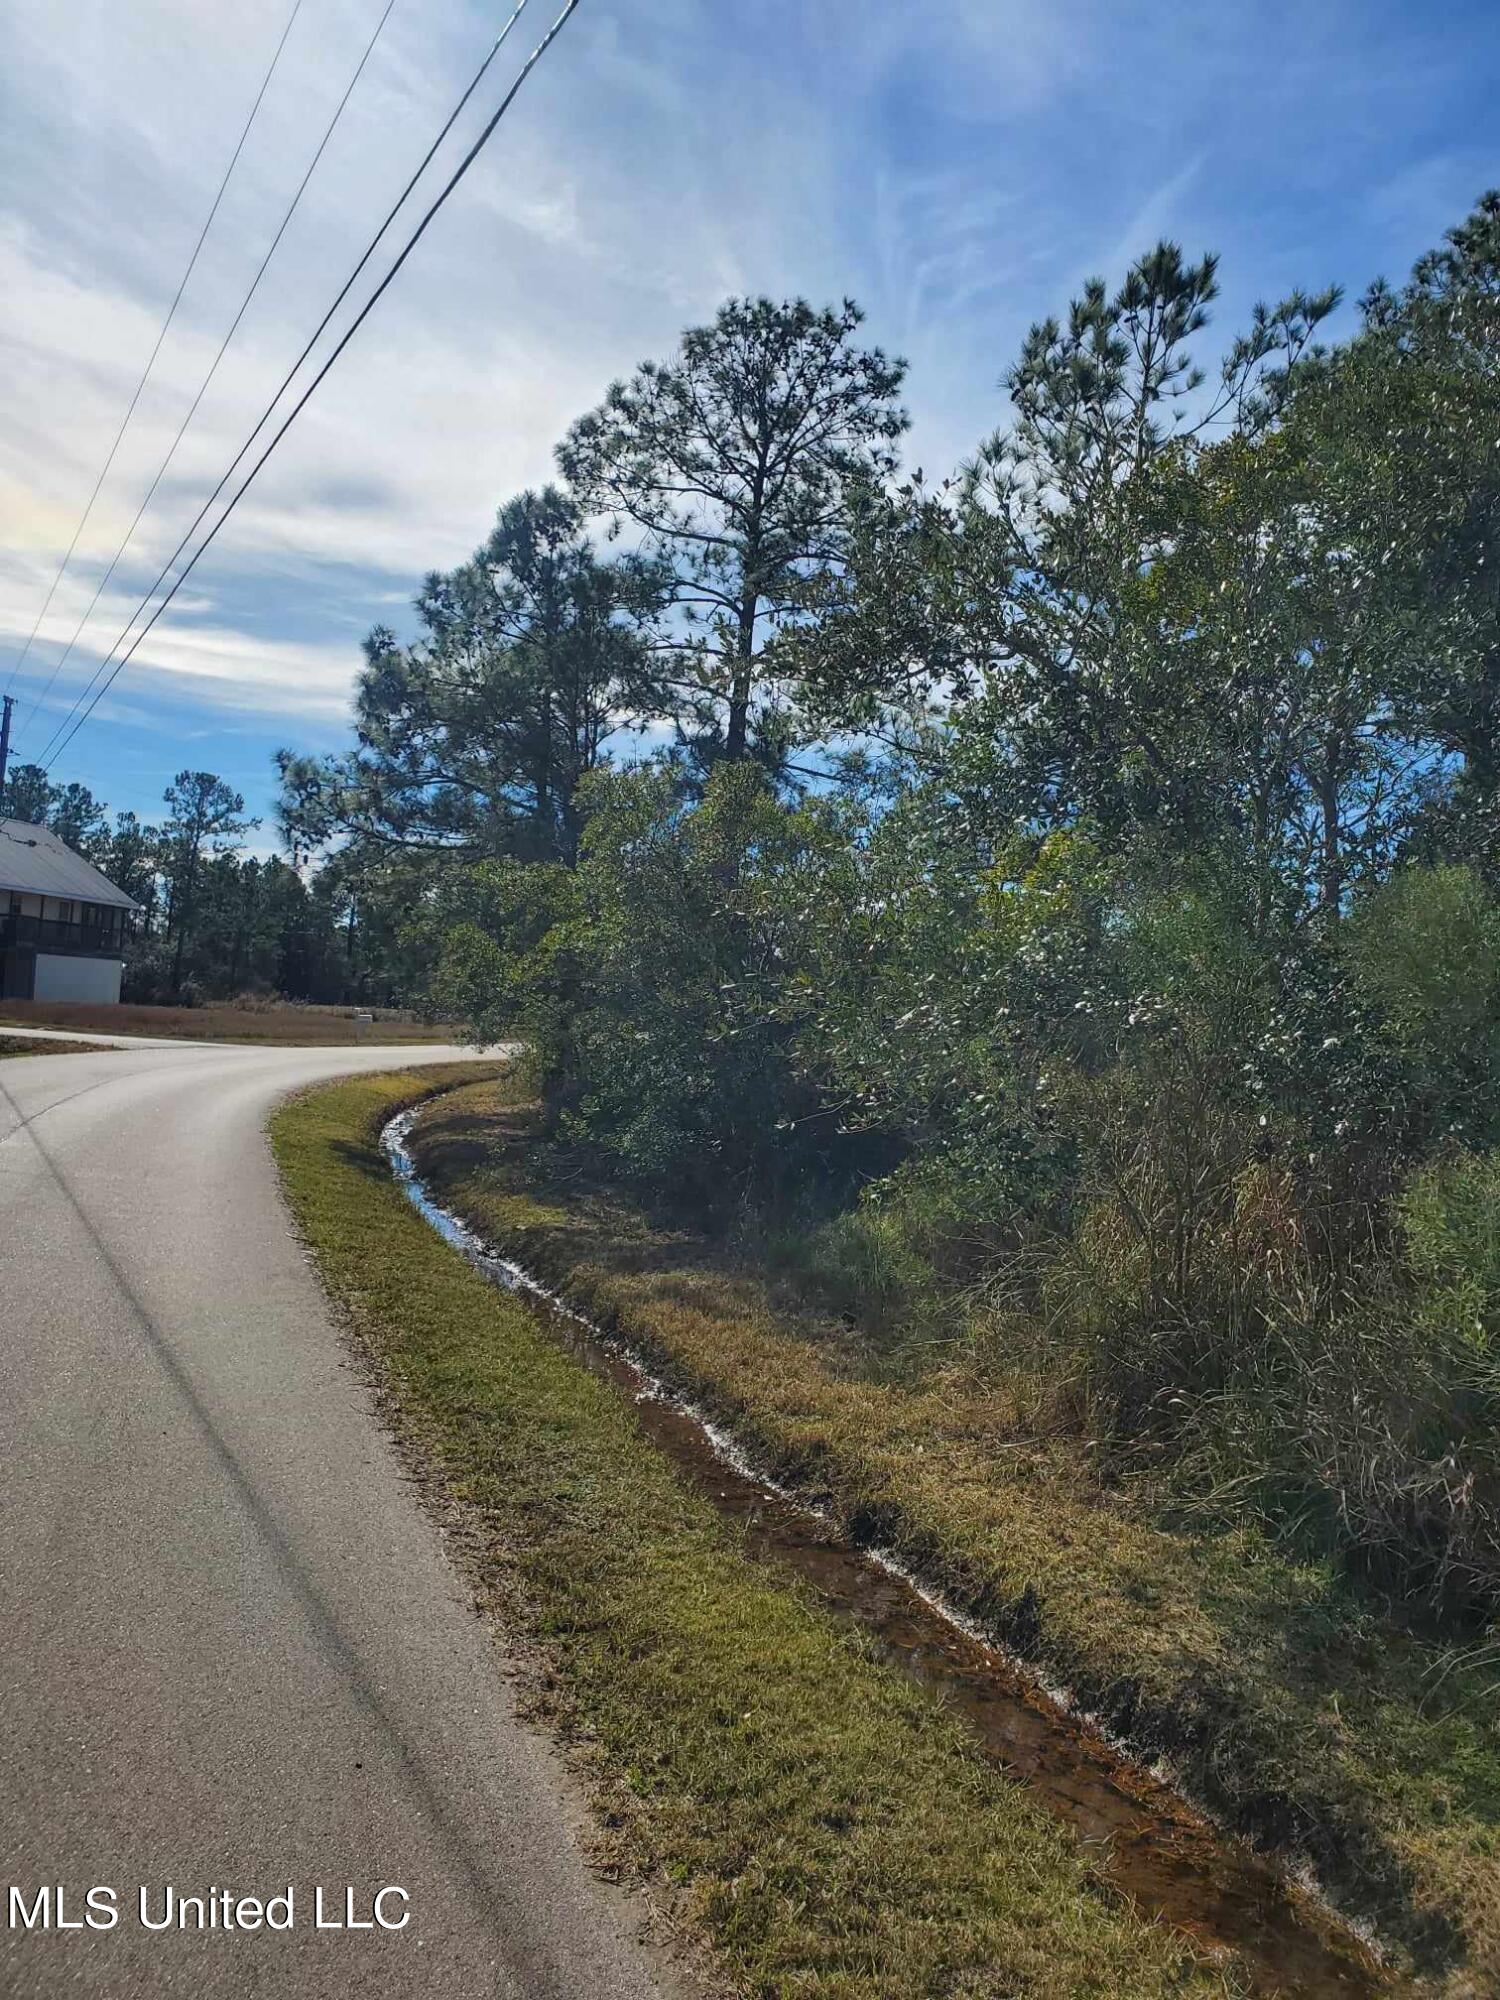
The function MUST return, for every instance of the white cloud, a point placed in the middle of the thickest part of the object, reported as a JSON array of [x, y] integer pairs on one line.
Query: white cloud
[[954, 167], [452, 395], [233, 669]]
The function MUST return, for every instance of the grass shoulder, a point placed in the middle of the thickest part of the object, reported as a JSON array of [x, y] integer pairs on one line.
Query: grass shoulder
[[1277, 1691], [828, 1827]]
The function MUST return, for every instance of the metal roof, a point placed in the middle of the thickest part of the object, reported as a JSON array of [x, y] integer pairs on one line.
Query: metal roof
[[35, 861]]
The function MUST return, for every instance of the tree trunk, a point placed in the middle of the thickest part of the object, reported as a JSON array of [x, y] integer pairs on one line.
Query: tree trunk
[[177, 955], [737, 736], [184, 917], [1332, 867]]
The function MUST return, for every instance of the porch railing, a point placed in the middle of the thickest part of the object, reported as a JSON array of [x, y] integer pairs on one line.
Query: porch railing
[[47, 934]]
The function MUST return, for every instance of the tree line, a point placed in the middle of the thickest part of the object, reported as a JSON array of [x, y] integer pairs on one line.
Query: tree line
[[216, 922]]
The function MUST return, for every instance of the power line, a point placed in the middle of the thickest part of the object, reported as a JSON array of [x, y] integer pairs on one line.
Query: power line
[[182, 428], [412, 241], [151, 363], [286, 380]]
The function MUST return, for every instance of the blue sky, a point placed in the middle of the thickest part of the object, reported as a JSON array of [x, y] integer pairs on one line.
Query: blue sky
[[959, 167]]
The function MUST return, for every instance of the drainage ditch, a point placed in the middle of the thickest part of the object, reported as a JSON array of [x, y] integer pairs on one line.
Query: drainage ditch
[[1151, 1845]]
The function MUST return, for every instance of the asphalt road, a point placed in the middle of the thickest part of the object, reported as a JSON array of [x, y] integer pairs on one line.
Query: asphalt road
[[233, 1653]]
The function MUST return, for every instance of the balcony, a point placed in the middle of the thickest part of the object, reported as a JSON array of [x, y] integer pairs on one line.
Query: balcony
[[107, 938]]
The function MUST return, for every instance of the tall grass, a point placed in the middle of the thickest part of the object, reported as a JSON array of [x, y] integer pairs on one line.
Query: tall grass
[[1258, 1342]]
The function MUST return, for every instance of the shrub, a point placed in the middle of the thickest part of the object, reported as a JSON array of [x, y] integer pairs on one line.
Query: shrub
[[1450, 1212], [1425, 953]]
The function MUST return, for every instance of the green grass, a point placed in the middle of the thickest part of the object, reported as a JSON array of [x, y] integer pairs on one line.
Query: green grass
[[24, 1045], [1278, 1692], [828, 1827]]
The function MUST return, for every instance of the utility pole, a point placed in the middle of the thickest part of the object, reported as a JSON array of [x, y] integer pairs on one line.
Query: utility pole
[[10, 702]]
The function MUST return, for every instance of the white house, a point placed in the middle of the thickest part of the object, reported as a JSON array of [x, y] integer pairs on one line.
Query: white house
[[62, 923]]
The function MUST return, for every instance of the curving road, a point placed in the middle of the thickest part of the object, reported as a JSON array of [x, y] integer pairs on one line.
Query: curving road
[[233, 1654]]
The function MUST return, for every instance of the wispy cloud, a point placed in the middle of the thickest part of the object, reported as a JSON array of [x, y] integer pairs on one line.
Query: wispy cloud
[[956, 168]]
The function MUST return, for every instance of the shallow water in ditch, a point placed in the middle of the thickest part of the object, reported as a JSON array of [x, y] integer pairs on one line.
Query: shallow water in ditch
[[1149, 1844]]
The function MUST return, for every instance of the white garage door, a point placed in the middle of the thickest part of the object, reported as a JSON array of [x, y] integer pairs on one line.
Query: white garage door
[[93, 979]]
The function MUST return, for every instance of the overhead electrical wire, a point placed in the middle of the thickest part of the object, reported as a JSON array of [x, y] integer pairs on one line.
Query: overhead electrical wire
[[161, 470], [291, 373], [151, 362]]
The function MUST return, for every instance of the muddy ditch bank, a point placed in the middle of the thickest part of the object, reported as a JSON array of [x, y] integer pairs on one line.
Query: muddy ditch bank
[[1150, 1844]]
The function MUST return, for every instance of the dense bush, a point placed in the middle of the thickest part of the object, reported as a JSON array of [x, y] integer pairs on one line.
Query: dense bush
[[660, 980], [1184, 1186]]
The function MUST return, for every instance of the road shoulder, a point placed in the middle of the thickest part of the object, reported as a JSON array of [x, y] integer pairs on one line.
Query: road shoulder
[[826, 1827]]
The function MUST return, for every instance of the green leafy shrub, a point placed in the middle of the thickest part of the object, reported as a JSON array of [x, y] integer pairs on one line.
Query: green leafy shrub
[[1450, 1212], [1425, 953]]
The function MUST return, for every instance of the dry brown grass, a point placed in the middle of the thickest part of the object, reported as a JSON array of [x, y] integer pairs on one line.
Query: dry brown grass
[[24, 1045], [281, 1022]]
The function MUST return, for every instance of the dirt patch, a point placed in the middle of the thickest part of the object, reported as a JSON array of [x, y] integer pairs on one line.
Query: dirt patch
[[29, 1045]]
